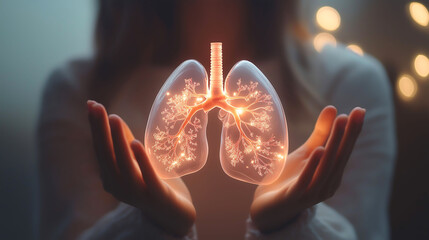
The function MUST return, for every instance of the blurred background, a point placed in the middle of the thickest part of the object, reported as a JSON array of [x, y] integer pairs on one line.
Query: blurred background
[[37, 37]]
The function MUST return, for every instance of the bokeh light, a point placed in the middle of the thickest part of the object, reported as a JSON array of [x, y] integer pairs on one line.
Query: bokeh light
[[355, 48], [421, 65], [328, 18], [406, 87], [322, 39], [419, 13]]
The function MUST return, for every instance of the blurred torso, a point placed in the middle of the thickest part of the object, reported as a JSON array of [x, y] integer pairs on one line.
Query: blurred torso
[[222, 203]]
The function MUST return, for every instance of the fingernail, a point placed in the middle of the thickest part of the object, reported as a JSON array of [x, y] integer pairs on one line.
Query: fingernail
[[90, 102], [361, 108]]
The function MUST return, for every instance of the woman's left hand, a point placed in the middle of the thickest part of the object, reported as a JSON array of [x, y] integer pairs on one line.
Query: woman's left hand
[[312, 173]]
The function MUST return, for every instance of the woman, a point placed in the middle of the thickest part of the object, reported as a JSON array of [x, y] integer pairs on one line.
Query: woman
[[113, 192]]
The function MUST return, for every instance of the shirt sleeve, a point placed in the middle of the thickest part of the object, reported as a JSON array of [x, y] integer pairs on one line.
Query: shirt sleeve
[[317, 222], [363, 197], [127, 222], [73, 201], [358, 210]]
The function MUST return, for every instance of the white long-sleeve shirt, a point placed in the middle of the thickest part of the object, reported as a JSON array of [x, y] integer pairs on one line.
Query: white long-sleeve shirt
[[359, 209], [71, 186]]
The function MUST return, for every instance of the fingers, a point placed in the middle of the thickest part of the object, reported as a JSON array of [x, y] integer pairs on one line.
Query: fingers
[[127, 132], [307, 174], [339, 147], [353, 129], [129, 168], [322, 128], [325, 167], [149, 175], [102, 143]]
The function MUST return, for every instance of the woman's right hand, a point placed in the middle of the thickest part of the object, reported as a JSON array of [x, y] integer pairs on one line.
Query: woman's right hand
[[128, 175], [312, 173]]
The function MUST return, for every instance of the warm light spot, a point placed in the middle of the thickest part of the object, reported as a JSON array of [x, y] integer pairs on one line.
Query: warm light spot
[[322, 39], [328, 18], [258, 147], [282, 147], [355, 48], [235, 94], [174, 163], [421, 65], [406, 87], [419, 13], [280, 156], [199, 99], [168, 94], [239, 111], [182, 154]]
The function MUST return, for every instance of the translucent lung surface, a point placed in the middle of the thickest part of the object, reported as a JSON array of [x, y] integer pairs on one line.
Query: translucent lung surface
[[254, 141], [174, 148]]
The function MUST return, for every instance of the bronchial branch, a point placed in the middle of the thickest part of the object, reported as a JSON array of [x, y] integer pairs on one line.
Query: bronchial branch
[[248, 111]]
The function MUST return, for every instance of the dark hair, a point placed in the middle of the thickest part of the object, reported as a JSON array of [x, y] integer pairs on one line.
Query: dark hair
[[129, 33]]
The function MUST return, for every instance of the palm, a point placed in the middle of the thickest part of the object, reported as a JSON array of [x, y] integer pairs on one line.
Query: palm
[[294, 166], [312, 172], [128, 174]]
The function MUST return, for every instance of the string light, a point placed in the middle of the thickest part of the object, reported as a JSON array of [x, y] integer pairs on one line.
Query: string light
[[322, 39], [406, 87], [419, 13], [356, 49], [421, 65], [328, 18]]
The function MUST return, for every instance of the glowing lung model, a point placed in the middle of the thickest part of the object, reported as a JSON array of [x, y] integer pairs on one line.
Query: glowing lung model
[[254, 140], [176, 148]]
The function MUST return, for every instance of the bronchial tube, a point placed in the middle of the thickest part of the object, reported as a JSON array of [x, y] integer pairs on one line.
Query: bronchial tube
[[216, 75]]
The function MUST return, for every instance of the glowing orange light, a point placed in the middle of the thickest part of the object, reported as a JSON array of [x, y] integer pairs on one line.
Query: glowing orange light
[[421, 65], [328, 18], [356, 49], [406, 87], [323, 39], [419, 13]]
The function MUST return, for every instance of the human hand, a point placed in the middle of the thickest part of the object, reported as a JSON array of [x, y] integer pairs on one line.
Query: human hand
[[312, 173], [128, 175]]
